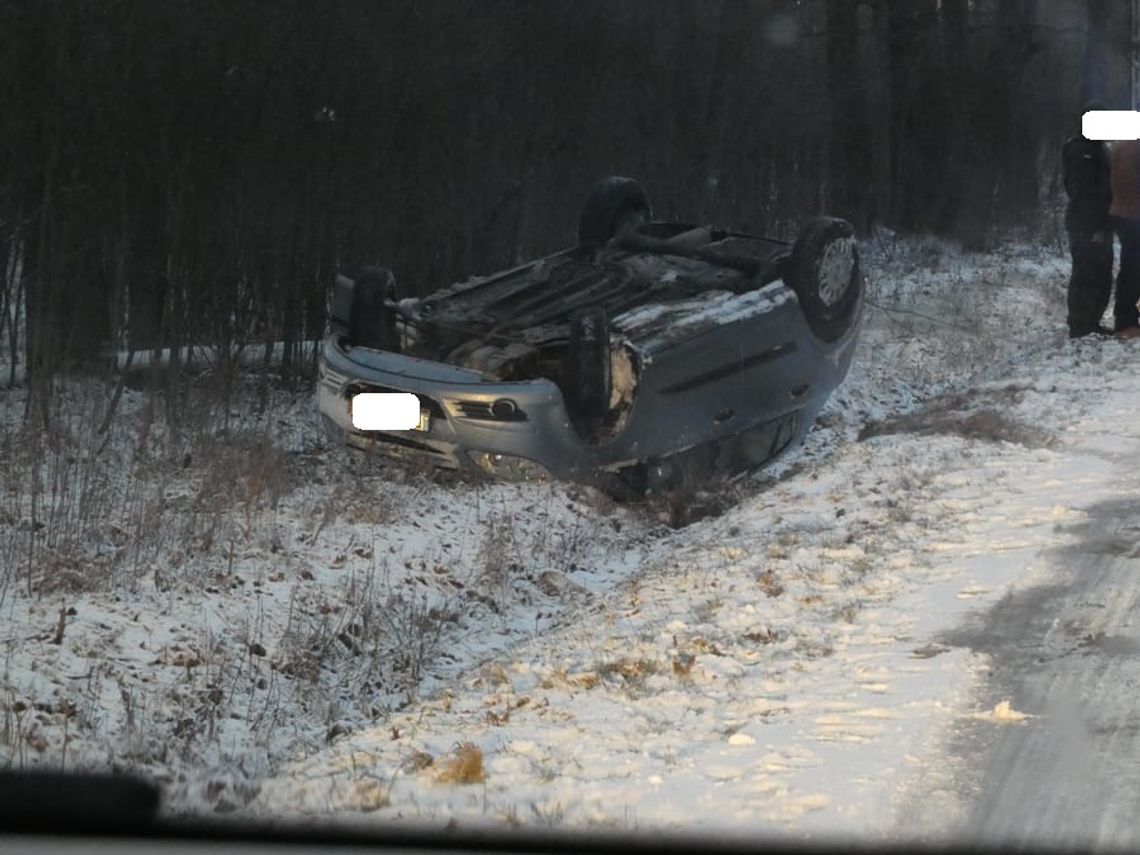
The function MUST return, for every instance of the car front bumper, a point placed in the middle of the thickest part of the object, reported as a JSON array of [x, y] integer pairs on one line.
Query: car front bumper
[[462, 431]]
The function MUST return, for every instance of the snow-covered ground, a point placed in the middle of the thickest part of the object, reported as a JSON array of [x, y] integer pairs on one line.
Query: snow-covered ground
[[271, 626]]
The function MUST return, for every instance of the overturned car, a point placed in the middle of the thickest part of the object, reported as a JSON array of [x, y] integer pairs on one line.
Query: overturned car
[[649, 354]]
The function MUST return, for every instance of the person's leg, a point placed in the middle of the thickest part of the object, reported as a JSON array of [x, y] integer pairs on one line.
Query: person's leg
[[1101, 286], [1128, 279], [1090, 285]]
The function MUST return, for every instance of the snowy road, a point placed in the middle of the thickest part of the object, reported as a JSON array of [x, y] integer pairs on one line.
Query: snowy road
[[1066, 653], [1069, 651]]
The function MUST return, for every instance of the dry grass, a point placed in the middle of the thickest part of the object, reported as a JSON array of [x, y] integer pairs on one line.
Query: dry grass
[[514, 564], [683, 665], [366, 634], [463, 766], [500, 557], [70, 520], [83, 510], [769, 584], [762, 636], [355, 497], [814, 648], [632, 671], [370, 795], [153, 515], [219, 534], [958, 415], [561, 678]]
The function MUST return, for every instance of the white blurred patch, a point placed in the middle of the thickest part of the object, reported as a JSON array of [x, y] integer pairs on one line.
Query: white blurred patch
[[385, 411], [1111, 125]]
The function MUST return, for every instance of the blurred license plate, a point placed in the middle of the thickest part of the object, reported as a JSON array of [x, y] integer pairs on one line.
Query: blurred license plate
[[395, 411]]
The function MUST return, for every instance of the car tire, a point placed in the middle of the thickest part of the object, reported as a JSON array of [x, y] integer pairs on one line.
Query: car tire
[[613, 206], [826, 276], [370, 322], [588, 377]]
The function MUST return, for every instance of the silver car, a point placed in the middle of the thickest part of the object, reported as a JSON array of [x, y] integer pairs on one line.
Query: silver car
[[649, 354]]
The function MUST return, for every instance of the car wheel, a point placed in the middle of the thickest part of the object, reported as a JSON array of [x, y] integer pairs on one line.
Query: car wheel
[[588, 369], [825, 274], [613, 206], [370, 322]]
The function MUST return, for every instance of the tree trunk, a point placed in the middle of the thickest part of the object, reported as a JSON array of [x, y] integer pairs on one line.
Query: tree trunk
[[918, 115], [995, 157], [849, 145], [1094, 78]]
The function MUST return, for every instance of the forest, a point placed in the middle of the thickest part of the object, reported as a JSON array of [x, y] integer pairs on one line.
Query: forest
[[177, 172]]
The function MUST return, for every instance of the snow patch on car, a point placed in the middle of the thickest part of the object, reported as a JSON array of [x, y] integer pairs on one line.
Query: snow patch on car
[[623, 382], [655, 325]]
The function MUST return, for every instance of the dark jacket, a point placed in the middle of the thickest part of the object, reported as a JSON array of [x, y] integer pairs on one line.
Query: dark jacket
[[1088, 186], [1126, 179]]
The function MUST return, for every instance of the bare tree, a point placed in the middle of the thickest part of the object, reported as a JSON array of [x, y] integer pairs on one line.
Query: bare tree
[[850, 164], [174, 173]]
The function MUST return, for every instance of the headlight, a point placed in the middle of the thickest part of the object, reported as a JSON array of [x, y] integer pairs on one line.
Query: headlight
[[508, 467]]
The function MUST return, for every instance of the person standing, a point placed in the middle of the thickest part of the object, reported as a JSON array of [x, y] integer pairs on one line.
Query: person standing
[[1125, 213], [1090, 189]]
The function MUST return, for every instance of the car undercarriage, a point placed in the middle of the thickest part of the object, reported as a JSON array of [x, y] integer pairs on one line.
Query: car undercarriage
[[645, 341]]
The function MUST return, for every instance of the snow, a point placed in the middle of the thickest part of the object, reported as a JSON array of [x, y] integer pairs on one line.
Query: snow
[[296, 632], [721, 307], [654, 326]]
